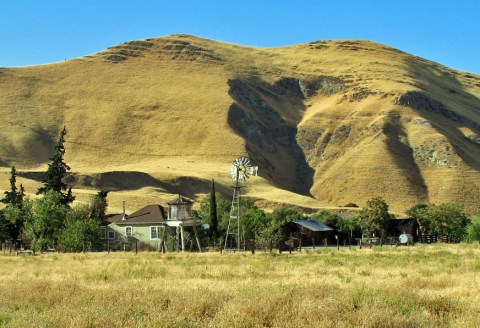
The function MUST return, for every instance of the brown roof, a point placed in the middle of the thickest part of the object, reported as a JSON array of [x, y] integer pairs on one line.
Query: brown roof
[[148, 214]]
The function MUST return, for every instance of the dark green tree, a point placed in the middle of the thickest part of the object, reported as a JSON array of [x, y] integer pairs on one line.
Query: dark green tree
[[14, 218], [473, 230], [250, 215], [349, 227], [269, 235], [414, 210], [45, 220], [268, 227], [14, 196], [346, 227], [418, 212], [213, 214], [5, 228], [13, 214], [286, 214], [56, 173], [443, 220], [327, 217], [223, 214], [253, 221], [375, 216], [81, 232], [99, 205]]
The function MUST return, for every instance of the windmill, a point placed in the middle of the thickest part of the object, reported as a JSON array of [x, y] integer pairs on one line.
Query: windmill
[[241, 170]]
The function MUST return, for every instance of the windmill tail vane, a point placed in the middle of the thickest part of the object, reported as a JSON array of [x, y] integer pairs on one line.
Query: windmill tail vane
[[252, 170]]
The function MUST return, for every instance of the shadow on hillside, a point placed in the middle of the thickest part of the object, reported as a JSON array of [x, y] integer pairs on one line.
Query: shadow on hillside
[[403, 155], [36, 146], [271, 141], [133, 180], [447, 119]]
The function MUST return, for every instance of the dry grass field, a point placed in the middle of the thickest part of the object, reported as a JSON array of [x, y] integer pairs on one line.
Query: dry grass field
[[328, 123], [419, 286]]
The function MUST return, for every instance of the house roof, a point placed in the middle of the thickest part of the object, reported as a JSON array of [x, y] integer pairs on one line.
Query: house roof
[[313, 225], [180, 200], [148, 214]]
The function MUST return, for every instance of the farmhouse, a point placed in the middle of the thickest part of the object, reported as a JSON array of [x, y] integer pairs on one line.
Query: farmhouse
[[154, 228]]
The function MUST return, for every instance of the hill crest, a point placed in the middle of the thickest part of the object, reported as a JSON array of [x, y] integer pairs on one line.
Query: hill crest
[[328, 122]]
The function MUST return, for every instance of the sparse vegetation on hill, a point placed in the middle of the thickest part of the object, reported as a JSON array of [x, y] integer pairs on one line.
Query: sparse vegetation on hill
[[328, 123]]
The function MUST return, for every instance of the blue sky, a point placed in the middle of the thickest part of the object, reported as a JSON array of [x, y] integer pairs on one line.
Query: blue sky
[[38, 32]]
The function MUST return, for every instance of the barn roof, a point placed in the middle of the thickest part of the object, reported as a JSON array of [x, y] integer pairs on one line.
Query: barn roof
[[313, 225], [150, 214]]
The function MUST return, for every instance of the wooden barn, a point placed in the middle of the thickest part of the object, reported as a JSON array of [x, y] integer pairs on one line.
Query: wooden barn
[[400, 226], [306, 233]]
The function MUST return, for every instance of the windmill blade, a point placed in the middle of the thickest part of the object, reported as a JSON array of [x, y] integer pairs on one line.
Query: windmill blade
[[242, 169], [242, 161]]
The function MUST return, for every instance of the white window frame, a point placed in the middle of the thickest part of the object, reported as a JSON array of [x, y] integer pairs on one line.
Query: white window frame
[[111, 234], [157, 232], [131, 231], [103, 232]]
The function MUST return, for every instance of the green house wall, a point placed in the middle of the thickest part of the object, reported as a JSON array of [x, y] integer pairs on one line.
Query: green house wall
[[140, 233]]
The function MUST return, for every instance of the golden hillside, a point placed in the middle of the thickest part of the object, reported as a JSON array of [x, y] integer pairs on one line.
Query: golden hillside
[[327, 123]]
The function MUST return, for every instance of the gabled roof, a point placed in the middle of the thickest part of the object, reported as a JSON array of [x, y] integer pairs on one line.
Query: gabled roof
[[150, 214], [180, 200], [313, 225]]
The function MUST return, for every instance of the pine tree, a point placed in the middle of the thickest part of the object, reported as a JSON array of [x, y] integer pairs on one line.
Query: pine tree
[[13, 196], [56, 172], [213, 213], [14, 214]]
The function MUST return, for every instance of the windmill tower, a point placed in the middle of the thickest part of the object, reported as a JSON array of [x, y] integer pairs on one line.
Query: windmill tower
[[241, 170]]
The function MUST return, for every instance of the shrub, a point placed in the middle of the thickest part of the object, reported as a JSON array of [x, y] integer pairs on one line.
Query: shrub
[[473, 230]]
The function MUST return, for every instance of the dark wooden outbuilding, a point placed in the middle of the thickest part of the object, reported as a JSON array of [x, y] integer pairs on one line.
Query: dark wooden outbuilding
[[306, 233], [401, 226]]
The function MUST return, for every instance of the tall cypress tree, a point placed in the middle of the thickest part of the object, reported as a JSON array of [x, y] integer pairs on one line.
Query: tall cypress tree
[[213, 213], [99, 205], [56, 172]]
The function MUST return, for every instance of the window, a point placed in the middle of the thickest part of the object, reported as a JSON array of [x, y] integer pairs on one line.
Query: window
[[111, 234], [174, 212], [103, 233], [154, 233], [128, 231]]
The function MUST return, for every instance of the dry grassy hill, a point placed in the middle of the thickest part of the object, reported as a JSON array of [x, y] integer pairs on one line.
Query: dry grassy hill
[[328, 123]]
